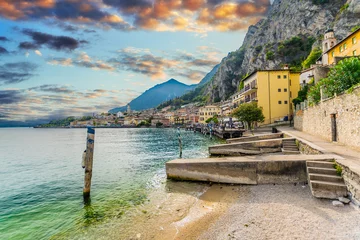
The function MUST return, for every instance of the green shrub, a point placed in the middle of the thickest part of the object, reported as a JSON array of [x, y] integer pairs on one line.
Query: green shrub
[[342, 77], [355, 28], [270, 55], [338, 169], [311, 59]]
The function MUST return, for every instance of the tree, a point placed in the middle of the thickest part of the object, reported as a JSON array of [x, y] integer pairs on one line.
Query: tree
[[311, 59], [249, 113], [214, 119], [302, 95]]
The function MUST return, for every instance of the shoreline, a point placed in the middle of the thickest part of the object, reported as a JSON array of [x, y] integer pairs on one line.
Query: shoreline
[[220, 211]]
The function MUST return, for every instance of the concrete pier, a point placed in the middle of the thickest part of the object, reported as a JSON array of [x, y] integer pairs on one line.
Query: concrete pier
[[248, 148], [261, 169], [256, 138]]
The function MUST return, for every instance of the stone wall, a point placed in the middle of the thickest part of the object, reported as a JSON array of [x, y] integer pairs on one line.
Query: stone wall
[[306, 149], [316, 120], [352, 181]]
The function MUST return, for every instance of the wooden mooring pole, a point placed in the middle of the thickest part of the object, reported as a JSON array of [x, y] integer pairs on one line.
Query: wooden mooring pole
[[180, 143], [88, 162]]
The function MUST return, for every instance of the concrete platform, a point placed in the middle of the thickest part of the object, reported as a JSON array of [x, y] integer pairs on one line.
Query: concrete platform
[[255, 138], [260, 169]]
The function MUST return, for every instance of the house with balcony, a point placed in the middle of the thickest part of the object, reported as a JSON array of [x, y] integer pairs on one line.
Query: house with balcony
[[273, 90]]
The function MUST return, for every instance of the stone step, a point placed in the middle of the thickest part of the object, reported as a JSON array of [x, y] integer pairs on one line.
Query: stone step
[[291, 147], [289, 144], [289, 152], [318, 170], [320, 164], [325, 178], [329, 190]]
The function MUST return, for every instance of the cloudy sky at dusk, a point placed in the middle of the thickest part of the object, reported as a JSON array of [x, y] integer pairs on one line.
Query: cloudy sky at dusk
[[72, 57]]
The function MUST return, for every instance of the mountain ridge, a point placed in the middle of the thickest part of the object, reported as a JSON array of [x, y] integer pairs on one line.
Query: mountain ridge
[[159, 93]]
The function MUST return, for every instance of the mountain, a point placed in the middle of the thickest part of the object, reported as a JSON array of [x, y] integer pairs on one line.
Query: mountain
[[208, 76], [166, 91], [154, 96], [286, 36]]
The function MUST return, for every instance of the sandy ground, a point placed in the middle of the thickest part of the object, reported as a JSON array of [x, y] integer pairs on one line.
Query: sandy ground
[[203, 211]]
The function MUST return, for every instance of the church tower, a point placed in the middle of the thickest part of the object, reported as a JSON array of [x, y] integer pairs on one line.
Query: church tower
[[329, 40], [128, 109]]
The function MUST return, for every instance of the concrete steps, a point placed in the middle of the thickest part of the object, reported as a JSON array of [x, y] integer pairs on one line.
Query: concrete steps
[[324, 181], [289, 146]]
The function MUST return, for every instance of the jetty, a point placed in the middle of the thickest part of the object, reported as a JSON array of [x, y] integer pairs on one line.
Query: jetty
[[223, 133]]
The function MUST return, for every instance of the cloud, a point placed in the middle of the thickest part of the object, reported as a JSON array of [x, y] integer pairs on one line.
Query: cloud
[[126, 15], [11, 73], [3, 51], [130, 59], [53, 88], [83, 60], [11, 96], [37, 52], [53, 42], [4, 39], [193, 75], [60, 61]]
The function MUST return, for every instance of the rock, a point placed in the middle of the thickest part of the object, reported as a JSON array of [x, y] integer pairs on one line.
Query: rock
[[337, 204], [284, 20], [344, 200]]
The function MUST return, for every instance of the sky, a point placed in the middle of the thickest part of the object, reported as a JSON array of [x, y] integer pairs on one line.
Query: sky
[[73, 58]]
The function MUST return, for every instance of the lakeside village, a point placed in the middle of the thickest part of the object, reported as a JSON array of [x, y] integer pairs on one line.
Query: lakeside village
[[277, 92]]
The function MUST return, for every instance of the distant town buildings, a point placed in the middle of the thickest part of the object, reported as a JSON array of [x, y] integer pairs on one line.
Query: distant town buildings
[[207, 112]]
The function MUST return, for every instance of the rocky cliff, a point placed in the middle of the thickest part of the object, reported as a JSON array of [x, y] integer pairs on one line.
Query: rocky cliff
[[285, 36]]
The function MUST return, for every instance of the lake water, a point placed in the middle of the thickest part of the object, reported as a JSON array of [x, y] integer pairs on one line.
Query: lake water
[[41, 177]]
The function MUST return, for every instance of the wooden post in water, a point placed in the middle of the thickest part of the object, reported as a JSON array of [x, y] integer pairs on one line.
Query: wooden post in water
[[88, 162], [180, 143]]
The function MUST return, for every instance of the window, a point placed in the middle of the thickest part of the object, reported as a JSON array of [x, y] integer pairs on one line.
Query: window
[[341, 48], [279, 77], [354, 40], [345, 46], [279, 90], [332, 53], [285, 89], [279, 102], [354, 53], [285, 76], [290, 82], [285, 102], [290, 94]]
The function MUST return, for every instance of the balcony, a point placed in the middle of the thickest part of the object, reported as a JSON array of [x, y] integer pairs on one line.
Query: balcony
[[249, 99], [249, 88]]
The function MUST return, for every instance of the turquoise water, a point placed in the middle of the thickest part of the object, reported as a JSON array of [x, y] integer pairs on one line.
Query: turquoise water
[[41, 178]]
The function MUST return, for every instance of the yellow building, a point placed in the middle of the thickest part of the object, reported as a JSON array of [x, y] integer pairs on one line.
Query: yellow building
[[207, 112], [273, 90], [348, 47]]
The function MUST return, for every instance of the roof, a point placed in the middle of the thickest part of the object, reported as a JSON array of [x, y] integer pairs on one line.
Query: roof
[[270, 70], [329, 30], [346, 38]]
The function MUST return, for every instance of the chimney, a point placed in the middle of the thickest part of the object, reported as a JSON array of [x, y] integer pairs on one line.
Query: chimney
[[286, 67]]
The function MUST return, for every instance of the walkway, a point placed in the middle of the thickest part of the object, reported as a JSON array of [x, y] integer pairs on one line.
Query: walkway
[[351, 158]]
